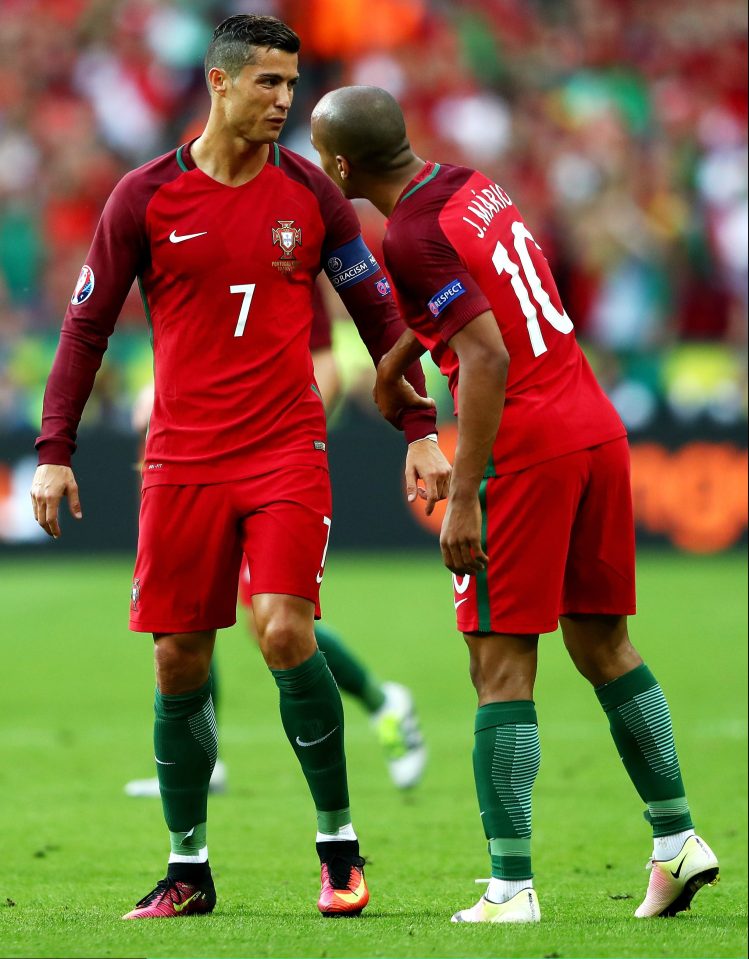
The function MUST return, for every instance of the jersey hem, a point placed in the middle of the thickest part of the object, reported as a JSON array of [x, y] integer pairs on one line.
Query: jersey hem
[[495, 470], [199, 476]]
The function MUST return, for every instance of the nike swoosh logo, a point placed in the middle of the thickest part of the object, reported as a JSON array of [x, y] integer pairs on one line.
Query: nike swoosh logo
[[173, 238], [314, 742], [162, 763], [354, 896], [460, 602], [678, 869], [179, 906]]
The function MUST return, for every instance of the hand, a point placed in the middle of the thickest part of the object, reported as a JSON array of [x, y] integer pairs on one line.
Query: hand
[[395, 395], [425, 461], [50, 484], [460, 539]]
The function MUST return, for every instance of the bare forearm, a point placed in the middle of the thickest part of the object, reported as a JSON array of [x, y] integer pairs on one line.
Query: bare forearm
[[481, 400]]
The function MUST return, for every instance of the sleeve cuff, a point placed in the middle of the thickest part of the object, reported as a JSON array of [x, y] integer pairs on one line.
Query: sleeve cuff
[[52, 453], [418, 424]]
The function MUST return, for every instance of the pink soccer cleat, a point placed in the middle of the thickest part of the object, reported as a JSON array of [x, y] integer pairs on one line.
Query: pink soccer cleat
[[172, 898]]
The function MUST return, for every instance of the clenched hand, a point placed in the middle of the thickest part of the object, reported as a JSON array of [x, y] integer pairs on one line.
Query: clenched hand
[[460, 539]]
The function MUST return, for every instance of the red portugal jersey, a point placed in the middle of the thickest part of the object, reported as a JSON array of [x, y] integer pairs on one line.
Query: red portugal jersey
[[456, 246], [227, 276]]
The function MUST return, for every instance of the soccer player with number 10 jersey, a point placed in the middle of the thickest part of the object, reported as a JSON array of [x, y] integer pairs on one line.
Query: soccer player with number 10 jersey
[[226, 236], [538, 529]]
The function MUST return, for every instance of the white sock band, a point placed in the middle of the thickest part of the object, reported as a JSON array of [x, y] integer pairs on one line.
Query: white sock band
[[201, 856], [341, 834]]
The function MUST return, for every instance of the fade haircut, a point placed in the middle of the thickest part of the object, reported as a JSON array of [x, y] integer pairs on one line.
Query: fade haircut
[[234, 41]]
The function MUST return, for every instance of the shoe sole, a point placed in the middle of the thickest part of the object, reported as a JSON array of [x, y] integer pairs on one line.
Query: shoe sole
[[342, 915], [684, 900]]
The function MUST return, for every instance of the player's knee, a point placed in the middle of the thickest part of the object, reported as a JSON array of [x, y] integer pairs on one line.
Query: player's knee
[[285, 641], [600, 647], [500, 682], [181, 666]]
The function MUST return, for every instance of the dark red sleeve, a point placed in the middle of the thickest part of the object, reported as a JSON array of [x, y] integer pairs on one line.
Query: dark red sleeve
[[428, 272], [370, 303], [380, 327], [116, 256]]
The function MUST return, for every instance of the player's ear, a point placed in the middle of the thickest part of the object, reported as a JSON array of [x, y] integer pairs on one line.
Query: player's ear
[[218, 81], [344, 167]]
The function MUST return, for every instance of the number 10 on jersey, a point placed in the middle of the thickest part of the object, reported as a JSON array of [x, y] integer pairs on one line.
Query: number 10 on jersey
[[503, 264]]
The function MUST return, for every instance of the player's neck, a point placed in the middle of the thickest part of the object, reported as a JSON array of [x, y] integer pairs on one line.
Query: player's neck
[[384, 194], [228, 158]]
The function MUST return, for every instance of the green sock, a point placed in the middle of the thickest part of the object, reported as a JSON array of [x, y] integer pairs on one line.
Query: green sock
[[185, 745], [350, 674], [215, 688], [312, 716], [641, 728], [506, 757]]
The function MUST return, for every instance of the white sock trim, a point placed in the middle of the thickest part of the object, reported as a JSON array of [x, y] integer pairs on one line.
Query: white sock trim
[[666, 847], [342, 834], [500, 890], [201, 856]]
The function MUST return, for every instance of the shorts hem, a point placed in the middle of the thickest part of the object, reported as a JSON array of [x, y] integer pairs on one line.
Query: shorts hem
[[512, 629], [598, 611], [139, 627]]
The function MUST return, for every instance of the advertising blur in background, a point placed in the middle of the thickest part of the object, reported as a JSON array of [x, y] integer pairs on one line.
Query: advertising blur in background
[[619, 127]]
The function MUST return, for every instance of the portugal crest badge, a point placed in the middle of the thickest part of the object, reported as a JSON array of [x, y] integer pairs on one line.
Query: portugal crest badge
[[287, 237]]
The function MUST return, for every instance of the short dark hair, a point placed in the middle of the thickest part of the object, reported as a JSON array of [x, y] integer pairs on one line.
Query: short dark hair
[[231, 46]]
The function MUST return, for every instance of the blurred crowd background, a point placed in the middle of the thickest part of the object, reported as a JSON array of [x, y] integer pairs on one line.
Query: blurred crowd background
[[619, 127]]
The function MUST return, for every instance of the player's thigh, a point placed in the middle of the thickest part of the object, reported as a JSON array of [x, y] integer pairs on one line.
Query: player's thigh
[[285, 539], [527, 518], [600, 573], [187, 567]]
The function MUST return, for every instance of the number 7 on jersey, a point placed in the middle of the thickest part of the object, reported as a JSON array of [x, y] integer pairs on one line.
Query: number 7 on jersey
[[247, 289]]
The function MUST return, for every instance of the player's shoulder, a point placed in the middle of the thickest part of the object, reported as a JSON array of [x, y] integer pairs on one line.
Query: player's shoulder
[[304, 171], [414, 224], [136, 187]]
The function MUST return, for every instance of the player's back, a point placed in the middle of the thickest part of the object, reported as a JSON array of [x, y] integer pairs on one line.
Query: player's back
[[456, 247]]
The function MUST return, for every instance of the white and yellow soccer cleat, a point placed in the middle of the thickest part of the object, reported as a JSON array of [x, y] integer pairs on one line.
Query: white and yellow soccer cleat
[[397, 727], [523, 907], [674, 882]]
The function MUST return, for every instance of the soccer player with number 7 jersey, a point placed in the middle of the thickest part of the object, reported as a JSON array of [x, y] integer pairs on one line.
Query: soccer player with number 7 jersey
[[226, 236], [538, 529]]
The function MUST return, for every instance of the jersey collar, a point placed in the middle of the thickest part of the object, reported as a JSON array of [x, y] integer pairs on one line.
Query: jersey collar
[[427, 173], [186, 163]]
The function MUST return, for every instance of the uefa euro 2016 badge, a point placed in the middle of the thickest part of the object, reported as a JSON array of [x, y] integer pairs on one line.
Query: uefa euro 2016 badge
[[287, 236], [84, 287]]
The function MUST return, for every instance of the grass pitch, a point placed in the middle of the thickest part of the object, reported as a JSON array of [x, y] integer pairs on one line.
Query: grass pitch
[[76, 724]]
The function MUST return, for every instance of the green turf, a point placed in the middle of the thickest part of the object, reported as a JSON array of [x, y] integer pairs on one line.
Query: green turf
[[76, 723]]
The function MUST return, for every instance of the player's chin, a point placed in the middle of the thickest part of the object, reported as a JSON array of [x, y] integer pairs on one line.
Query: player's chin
[[274, 130]]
